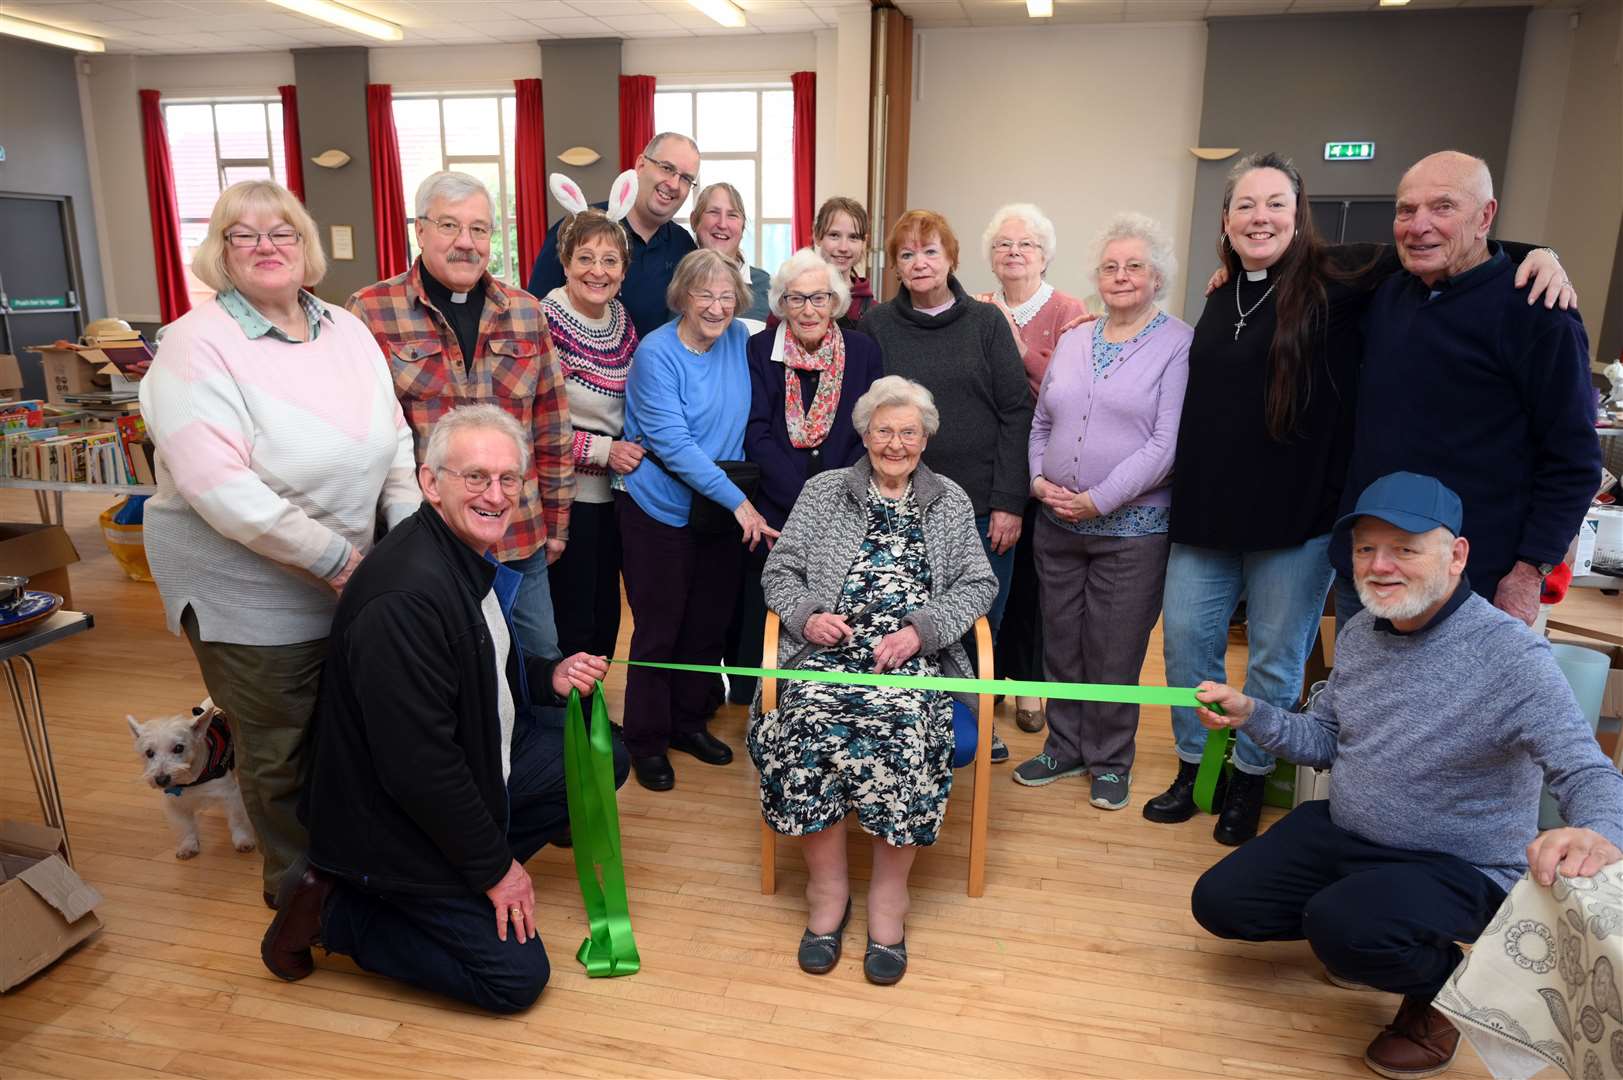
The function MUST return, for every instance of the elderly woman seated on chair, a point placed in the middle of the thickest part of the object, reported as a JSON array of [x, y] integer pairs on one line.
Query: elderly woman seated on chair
[[879, 569]]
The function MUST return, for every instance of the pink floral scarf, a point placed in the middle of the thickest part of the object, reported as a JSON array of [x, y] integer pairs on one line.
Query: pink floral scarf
[[809, 426]]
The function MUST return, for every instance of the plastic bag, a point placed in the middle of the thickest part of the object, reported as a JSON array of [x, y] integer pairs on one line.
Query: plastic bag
[[122, 530]]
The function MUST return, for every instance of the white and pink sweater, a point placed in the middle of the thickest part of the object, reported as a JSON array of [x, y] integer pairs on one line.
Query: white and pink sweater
[[275, 461]]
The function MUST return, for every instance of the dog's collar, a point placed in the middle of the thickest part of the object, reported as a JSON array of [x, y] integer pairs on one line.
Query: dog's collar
[[222, 757]]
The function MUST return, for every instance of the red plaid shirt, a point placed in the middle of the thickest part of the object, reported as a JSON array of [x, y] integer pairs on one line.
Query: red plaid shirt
[[514, 367]]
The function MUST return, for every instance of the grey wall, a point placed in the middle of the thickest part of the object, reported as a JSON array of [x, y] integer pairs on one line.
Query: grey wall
[[1412, 81], [332, 115], [43, 133], [1609, 326], [580, 92]]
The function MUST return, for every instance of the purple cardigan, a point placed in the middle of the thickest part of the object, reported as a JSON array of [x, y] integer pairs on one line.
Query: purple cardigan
[[1113, 436]]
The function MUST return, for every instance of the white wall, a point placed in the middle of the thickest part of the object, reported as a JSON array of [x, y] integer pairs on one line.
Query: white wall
[[1535, 129], [1084, 121]]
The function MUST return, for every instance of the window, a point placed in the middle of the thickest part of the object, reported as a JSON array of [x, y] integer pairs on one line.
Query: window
[[471, 134], [747, 138], [212, 145]]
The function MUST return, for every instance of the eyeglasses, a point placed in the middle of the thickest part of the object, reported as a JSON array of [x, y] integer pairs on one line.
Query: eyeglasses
[[909, 436], [283, 237], [607, 263], [671, 172], [449, 228], [1134, 268], [795, 301], [705, 299], [477, 480], [1024, 247]]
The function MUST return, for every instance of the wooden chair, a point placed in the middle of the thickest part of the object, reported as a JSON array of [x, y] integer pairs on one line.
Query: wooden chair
[[980, 807]]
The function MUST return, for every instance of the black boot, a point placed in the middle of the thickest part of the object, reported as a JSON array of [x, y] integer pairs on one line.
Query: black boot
[[1242, 806], [1176, 803]]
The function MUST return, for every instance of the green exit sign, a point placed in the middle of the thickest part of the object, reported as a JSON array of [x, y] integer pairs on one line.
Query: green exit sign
[[1349, 151]]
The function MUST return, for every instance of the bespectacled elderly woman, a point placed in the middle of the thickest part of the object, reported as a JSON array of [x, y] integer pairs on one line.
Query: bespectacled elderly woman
[[280, 446], [1102, 441], [879, 569], [687, 400], [719, 221], [806, 374]]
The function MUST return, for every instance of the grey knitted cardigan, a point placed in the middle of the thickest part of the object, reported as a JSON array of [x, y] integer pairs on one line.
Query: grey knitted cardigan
[[808, 564]]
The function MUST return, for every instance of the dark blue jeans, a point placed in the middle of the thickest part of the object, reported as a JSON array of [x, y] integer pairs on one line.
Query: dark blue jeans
[[1003, 568], [1385, 917], [448, 944]]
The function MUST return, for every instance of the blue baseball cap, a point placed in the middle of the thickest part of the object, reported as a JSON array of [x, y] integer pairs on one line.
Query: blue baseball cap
[[1413, 503]]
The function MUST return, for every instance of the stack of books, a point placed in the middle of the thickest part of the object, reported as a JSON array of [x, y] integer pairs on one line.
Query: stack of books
[[116, 455]]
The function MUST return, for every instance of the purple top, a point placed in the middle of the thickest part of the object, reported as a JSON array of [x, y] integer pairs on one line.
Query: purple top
[[1113, 435]]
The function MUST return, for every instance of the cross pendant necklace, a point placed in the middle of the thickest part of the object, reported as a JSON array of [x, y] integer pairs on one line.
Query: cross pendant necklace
[[1243, 314]]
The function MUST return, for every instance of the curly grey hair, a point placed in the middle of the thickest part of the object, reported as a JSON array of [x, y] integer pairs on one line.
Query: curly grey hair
[[452, 187], [1037, 220], [1129, 225], [805, 261], [484, 417], [893, 391]]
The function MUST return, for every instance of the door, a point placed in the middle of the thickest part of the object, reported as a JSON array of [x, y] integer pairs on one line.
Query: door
[[40, 286]]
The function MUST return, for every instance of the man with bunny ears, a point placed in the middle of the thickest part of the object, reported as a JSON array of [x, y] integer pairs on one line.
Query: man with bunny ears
[[455, 335], [667, 170]]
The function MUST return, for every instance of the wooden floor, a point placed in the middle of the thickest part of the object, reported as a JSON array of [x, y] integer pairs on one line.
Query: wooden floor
[[1081, 960]]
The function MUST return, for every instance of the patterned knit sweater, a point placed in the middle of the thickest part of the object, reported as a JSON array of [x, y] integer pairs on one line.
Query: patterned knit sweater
[[596, 357]]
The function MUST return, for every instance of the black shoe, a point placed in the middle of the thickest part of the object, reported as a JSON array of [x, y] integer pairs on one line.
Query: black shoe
[[654, 772], [1242, 807], [819, 953], [1176, 803], [702, 745], [884, 965], [300, 898]]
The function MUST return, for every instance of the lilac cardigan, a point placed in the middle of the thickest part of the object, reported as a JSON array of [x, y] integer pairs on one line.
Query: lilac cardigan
[[1113, 436]]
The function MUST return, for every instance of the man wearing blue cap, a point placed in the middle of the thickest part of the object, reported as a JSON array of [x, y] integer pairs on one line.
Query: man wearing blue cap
[[1442, 718]]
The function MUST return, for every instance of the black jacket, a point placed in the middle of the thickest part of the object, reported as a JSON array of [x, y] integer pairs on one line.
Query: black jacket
[[405, 791]]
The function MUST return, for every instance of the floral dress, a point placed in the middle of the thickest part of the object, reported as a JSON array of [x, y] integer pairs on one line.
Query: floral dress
[[885, 752]]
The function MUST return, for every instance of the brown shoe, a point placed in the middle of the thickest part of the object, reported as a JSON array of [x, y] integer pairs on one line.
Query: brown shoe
[[297, 926], [1418, 1042]]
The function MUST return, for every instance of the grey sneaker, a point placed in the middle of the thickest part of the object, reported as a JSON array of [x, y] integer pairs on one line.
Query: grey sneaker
[[1109, 791], [1000, 751], [1043, 769]]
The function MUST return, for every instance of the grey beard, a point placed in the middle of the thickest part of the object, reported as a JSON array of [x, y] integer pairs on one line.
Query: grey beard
[[1420, 597]]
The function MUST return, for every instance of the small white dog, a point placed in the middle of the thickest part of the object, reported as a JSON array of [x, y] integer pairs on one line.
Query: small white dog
[[190, 759]]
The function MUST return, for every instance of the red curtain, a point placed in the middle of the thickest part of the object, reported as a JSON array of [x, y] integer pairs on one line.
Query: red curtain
[[530, 173], [165, 209], [388, 190], [805, 86], [636, 117], [292, 153]]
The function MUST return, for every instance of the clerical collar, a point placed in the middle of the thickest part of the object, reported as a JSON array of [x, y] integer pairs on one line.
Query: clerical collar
[[441, 293], [1462, 593], [1257, 275]]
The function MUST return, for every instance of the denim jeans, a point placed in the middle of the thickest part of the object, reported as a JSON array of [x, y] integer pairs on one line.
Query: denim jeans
[[1347, 602], [532, 612], [1284, 592], [1003, 569]]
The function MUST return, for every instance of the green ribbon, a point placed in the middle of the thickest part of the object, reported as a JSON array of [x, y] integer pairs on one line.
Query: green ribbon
[[594, 820], [1211, 765]]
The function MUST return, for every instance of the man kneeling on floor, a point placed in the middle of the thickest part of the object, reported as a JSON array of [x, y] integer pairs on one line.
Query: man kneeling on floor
[[435, 775], [1441, 718]]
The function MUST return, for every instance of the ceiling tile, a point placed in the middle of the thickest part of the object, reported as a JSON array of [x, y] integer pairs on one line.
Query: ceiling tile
[[1164, 10], [602, 9], [573, 26], [639, 24]]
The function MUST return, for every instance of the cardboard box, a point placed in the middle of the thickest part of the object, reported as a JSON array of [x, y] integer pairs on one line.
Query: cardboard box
[[45, 908], [71, 369], [41, 553], [11, 378]]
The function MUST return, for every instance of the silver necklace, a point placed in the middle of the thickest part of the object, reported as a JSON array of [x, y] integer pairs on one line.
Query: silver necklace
[[1244, 315], [894, 516]]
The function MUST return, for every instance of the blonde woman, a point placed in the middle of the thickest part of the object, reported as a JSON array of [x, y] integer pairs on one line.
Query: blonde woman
[[280, 446], [719, 221]]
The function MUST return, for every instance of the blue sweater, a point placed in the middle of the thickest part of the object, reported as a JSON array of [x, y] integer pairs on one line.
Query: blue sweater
[[1440, 738], [648, 273], [690, 410], [1488, 394]]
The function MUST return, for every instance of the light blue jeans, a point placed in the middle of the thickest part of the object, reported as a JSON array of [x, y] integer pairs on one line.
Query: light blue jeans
[[1284, 594], [532, 611]]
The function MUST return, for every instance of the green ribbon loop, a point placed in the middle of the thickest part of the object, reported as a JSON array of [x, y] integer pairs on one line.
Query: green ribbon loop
[[594, 820], [1211, 766]]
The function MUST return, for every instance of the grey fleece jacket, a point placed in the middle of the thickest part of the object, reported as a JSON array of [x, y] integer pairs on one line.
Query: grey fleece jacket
[[809, 563], [1440, 739]]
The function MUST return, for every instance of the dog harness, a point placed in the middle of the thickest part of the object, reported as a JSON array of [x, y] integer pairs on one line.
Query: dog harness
[[222, 757]]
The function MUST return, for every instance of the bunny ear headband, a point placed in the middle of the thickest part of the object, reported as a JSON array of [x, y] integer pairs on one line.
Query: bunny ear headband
[[622, 193]]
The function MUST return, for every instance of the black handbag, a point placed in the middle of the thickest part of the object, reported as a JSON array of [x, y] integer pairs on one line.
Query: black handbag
[[705, 515]]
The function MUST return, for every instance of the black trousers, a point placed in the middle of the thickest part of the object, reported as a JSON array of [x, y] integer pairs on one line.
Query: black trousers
[[1019, 650], [448, 944], [746, 636], [1381, 916], [585, 582]]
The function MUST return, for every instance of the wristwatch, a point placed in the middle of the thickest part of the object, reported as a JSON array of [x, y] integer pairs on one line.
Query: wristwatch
[[1545, 569]]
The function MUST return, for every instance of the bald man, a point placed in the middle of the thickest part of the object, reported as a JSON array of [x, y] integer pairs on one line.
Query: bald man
[[1466, 380]]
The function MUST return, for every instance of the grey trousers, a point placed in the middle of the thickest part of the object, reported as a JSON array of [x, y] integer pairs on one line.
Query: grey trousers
[[268, 693], [1101, 596]]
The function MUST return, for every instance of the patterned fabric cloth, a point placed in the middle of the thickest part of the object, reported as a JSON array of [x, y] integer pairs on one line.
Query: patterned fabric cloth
[[596, 357], [1542, 984], [1106, 353], [809, 425], [255, 325], [515, 368], [884, 752]]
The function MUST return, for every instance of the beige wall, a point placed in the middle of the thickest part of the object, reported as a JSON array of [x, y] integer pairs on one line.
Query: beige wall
[[1084, 121]]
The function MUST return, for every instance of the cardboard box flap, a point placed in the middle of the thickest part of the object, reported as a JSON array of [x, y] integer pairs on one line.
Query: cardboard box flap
[[34, 549], [38, 841], [11, 374], [54, 882]]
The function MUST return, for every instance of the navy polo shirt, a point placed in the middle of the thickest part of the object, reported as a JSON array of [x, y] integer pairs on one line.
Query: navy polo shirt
[[653, 264]]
